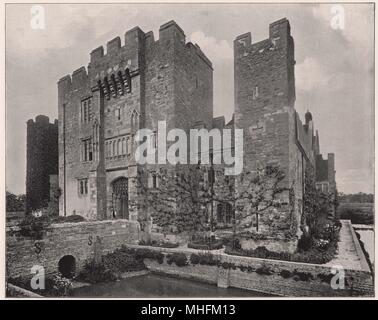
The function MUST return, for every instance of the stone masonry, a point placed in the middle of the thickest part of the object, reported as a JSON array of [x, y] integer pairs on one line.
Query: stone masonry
[[273, 131], [42, 161], [143, 81], [130, 87]]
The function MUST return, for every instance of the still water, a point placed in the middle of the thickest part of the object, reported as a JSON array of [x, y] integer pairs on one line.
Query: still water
[[158, 286]]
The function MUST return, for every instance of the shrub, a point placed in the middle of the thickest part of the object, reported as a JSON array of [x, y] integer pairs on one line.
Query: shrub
[[325, 277], [178, 258], [314, 255], [194, 259], [231, 242], [243, 268], [264, 270], [61, 286], [34, 227], [305, 242], [143, 253], [96, 272], [286, 274], [226, 265], [112, 265], [208, 259], [303, 276], [121, 261]]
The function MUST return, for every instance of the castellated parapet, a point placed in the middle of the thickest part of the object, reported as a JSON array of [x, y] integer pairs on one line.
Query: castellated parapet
[[42, 161], [128, 87]]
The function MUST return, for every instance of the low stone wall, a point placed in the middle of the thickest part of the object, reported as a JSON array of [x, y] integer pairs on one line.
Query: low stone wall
[[83, 241], [275, 277], [271, 244]]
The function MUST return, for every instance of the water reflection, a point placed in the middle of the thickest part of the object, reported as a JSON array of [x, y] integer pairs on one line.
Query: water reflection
[[153, 285]]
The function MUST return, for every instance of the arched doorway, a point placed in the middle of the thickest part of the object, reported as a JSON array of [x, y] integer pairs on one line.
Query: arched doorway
[[120, 198], [67, 266]]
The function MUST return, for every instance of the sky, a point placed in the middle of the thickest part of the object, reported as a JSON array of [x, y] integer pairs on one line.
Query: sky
[[334, 69]]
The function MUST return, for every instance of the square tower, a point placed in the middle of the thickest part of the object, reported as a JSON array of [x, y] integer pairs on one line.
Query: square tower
[[126, 88], [264, 109]]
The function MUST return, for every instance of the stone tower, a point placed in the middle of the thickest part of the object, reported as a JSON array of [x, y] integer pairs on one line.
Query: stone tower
[[264, 109], [42, 161], [131, 86]]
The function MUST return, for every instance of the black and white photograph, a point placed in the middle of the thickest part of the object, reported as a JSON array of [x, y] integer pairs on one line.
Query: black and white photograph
[[189, 150]]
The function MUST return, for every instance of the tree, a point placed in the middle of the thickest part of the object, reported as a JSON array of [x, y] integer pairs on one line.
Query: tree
[[182, 198], [318, 206], [259, 193], [15, 202], [177, 200]]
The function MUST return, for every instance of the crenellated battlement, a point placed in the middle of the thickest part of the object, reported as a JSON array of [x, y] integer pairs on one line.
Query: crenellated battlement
[[279, 35], [136, 42], [133, 43], [41, 120], [113, 69], [78, 79]]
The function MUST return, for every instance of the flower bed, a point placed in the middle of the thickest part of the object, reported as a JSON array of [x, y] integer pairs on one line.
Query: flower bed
[[314, 255]]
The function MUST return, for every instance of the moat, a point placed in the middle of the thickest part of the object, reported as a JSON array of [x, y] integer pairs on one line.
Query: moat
[[158, 286]]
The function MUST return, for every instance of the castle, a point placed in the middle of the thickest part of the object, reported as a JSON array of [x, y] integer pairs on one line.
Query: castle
[[144, 81]]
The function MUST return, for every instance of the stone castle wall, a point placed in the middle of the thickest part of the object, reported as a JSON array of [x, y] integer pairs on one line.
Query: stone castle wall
[[264, 102], [274, 277], [144, 81], [80, 240], [273, 132]]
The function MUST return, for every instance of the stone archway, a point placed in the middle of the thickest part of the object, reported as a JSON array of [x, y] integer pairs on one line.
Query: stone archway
[[67, 266], [120, 198]]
